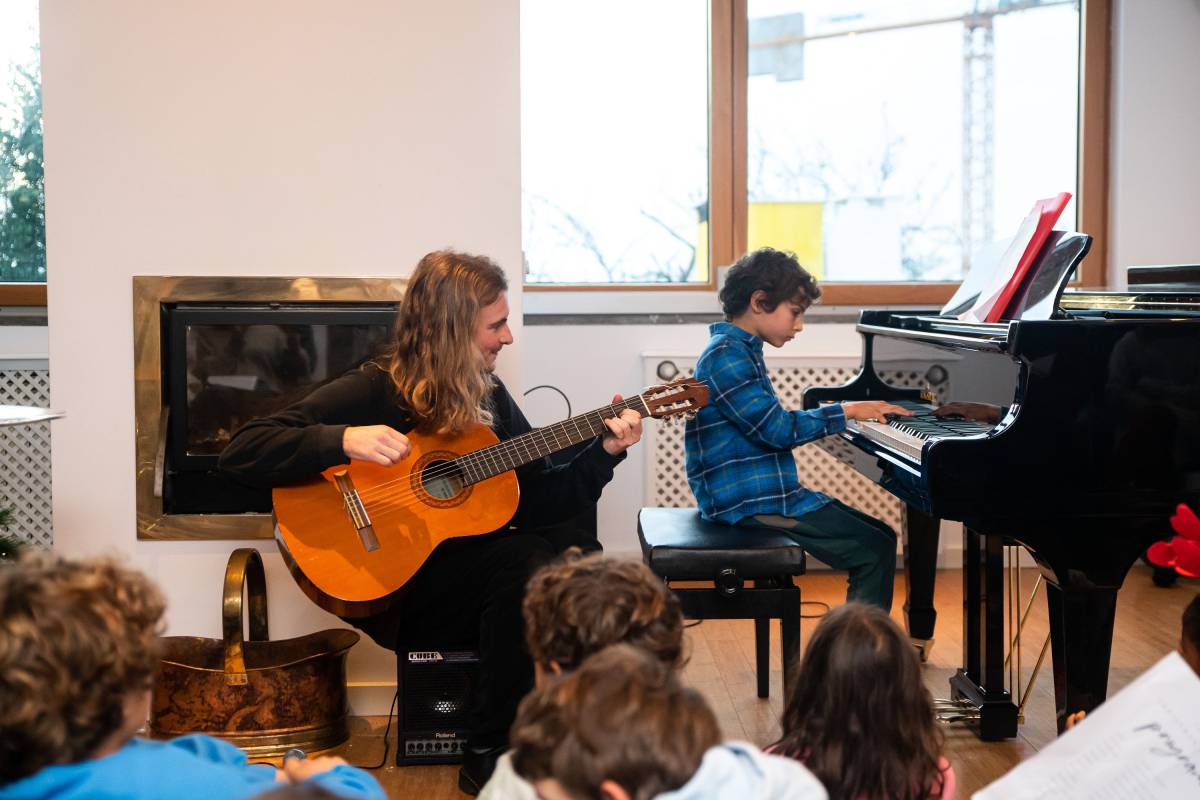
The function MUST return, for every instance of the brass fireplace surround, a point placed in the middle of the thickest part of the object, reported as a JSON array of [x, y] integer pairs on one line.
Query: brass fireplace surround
[[149, 414]]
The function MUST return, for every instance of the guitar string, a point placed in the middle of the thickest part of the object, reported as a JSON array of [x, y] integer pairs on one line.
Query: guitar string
[[404, 496], [505, 448], [401, 497]]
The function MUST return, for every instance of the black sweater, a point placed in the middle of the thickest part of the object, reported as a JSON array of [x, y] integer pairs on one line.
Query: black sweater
[[306, 438]]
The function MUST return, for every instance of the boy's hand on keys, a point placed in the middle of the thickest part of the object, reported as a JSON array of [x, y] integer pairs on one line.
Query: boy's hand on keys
[[874, 411]]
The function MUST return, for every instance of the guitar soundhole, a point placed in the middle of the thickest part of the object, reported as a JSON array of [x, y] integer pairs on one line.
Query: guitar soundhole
[[438, 482], [441, 480]]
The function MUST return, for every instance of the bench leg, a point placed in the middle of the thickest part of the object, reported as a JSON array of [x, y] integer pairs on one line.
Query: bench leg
[[762, 654], [789, 622]]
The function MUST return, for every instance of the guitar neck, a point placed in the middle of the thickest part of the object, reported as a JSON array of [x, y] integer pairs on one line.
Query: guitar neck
[[482, 464]]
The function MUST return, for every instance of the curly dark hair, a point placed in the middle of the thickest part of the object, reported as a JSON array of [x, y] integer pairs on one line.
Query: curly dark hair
[[624, 716], [578, 605], [76, 637], [777, 273], [859, 715]]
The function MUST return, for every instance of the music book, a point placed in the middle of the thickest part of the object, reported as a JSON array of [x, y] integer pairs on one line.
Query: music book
[[1014, 267], [983, 265], [1144, 742]]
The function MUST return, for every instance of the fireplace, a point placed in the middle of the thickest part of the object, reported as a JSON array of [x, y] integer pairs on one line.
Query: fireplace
[[212, 353]]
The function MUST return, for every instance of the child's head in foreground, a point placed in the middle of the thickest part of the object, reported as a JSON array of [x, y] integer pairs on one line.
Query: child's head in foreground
[[859, 715], [578, 605], [1189, 636], [769, 288], [620, 725], [78, 654]]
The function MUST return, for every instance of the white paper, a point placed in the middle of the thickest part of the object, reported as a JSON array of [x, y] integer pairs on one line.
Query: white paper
[[1005, 268], [984, 260], [1144, 742]]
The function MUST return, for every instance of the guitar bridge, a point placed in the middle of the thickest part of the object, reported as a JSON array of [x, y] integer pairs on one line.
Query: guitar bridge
[[356, 511]]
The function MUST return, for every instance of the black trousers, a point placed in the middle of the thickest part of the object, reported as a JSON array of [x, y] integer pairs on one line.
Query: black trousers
[[468, 595]]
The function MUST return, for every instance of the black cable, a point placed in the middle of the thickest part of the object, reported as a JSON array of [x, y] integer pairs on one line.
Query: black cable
[[386, 730], [566, 399]]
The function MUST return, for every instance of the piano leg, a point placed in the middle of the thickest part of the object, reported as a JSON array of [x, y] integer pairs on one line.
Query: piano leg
[[1081, 627], [920, 567], [980, 680]]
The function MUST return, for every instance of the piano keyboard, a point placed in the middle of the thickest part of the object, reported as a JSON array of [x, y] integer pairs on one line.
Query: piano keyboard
[[907, 435]]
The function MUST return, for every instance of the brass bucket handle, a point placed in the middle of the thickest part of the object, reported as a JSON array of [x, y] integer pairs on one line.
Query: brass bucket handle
[[245, 567]]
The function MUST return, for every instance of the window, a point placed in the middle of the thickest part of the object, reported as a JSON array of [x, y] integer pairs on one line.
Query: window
[[614, 142], [22, 194], [882, 142]]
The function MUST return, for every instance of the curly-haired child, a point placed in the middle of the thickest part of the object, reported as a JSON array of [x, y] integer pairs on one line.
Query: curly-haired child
[[78, 656], [623, 727], [578, 605]]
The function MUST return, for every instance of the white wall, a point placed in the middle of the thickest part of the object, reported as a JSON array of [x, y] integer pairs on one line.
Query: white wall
[[1155, 155], [279, 137]]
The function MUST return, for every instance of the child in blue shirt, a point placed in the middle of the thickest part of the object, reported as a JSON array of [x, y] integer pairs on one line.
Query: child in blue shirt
[[739, 447], [76, 666]]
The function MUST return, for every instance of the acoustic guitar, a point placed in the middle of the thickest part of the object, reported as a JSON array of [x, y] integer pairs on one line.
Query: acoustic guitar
[[354, 535]]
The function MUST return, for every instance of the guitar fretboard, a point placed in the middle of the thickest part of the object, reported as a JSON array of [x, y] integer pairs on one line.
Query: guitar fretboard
[[511, 453]]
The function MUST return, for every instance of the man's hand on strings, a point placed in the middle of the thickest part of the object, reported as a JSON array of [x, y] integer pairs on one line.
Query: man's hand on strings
[[624, 430], [378, 444]]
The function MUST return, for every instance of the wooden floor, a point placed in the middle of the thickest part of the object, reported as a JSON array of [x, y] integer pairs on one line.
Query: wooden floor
[[722, 667]]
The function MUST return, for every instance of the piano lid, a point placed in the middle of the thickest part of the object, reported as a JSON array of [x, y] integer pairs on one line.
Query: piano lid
[[1165, 278]]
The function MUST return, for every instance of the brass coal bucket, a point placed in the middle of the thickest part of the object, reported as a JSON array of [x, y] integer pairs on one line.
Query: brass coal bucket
[[265, 697]]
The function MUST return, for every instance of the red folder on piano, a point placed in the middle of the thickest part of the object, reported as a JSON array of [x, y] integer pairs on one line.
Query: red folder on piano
[[993, 303]]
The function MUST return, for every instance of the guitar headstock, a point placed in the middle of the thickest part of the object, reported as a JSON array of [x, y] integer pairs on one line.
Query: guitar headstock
[[680, 396]]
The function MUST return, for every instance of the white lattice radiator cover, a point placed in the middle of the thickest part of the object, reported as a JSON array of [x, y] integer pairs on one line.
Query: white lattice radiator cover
[[25, 457], [666, 475]]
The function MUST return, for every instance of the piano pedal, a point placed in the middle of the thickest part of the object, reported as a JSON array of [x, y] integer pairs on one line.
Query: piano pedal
[[923, 647], [949, 712]]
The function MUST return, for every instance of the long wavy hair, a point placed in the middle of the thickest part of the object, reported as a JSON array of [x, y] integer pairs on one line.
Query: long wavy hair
[[438, 371], [859, 715]]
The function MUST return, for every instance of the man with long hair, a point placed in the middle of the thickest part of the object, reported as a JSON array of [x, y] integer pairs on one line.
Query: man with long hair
[[438, 377]]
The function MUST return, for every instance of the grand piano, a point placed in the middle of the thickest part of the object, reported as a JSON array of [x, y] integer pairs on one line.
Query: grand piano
[[1095, 439]]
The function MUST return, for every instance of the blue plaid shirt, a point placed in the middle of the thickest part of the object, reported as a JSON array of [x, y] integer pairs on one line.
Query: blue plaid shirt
[[739, 446]]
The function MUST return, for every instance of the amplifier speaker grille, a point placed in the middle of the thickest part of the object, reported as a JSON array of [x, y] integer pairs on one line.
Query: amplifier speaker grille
[[436, 691]]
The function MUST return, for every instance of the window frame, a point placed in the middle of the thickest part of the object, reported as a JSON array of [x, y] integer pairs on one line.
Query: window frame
[[23, 294], [728, 205]]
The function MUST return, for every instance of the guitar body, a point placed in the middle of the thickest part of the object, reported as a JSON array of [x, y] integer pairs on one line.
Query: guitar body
[[412, 507]]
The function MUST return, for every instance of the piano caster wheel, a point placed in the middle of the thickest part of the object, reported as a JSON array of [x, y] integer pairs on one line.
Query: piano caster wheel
[[923, 647]]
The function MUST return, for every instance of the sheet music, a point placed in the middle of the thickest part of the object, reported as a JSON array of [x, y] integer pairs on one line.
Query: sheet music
[[983, 266], [1003, 271], [1142, 743]]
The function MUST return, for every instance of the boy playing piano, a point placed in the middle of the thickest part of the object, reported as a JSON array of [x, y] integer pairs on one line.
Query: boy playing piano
[[739, 447]]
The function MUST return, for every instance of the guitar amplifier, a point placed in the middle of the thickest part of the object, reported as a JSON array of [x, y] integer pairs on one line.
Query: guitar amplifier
[[436, 690]]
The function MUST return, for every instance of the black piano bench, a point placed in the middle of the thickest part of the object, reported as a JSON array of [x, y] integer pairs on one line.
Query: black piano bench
[[678, 545]]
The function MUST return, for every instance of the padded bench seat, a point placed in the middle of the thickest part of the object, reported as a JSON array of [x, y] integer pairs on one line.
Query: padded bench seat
[[678, 545]]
